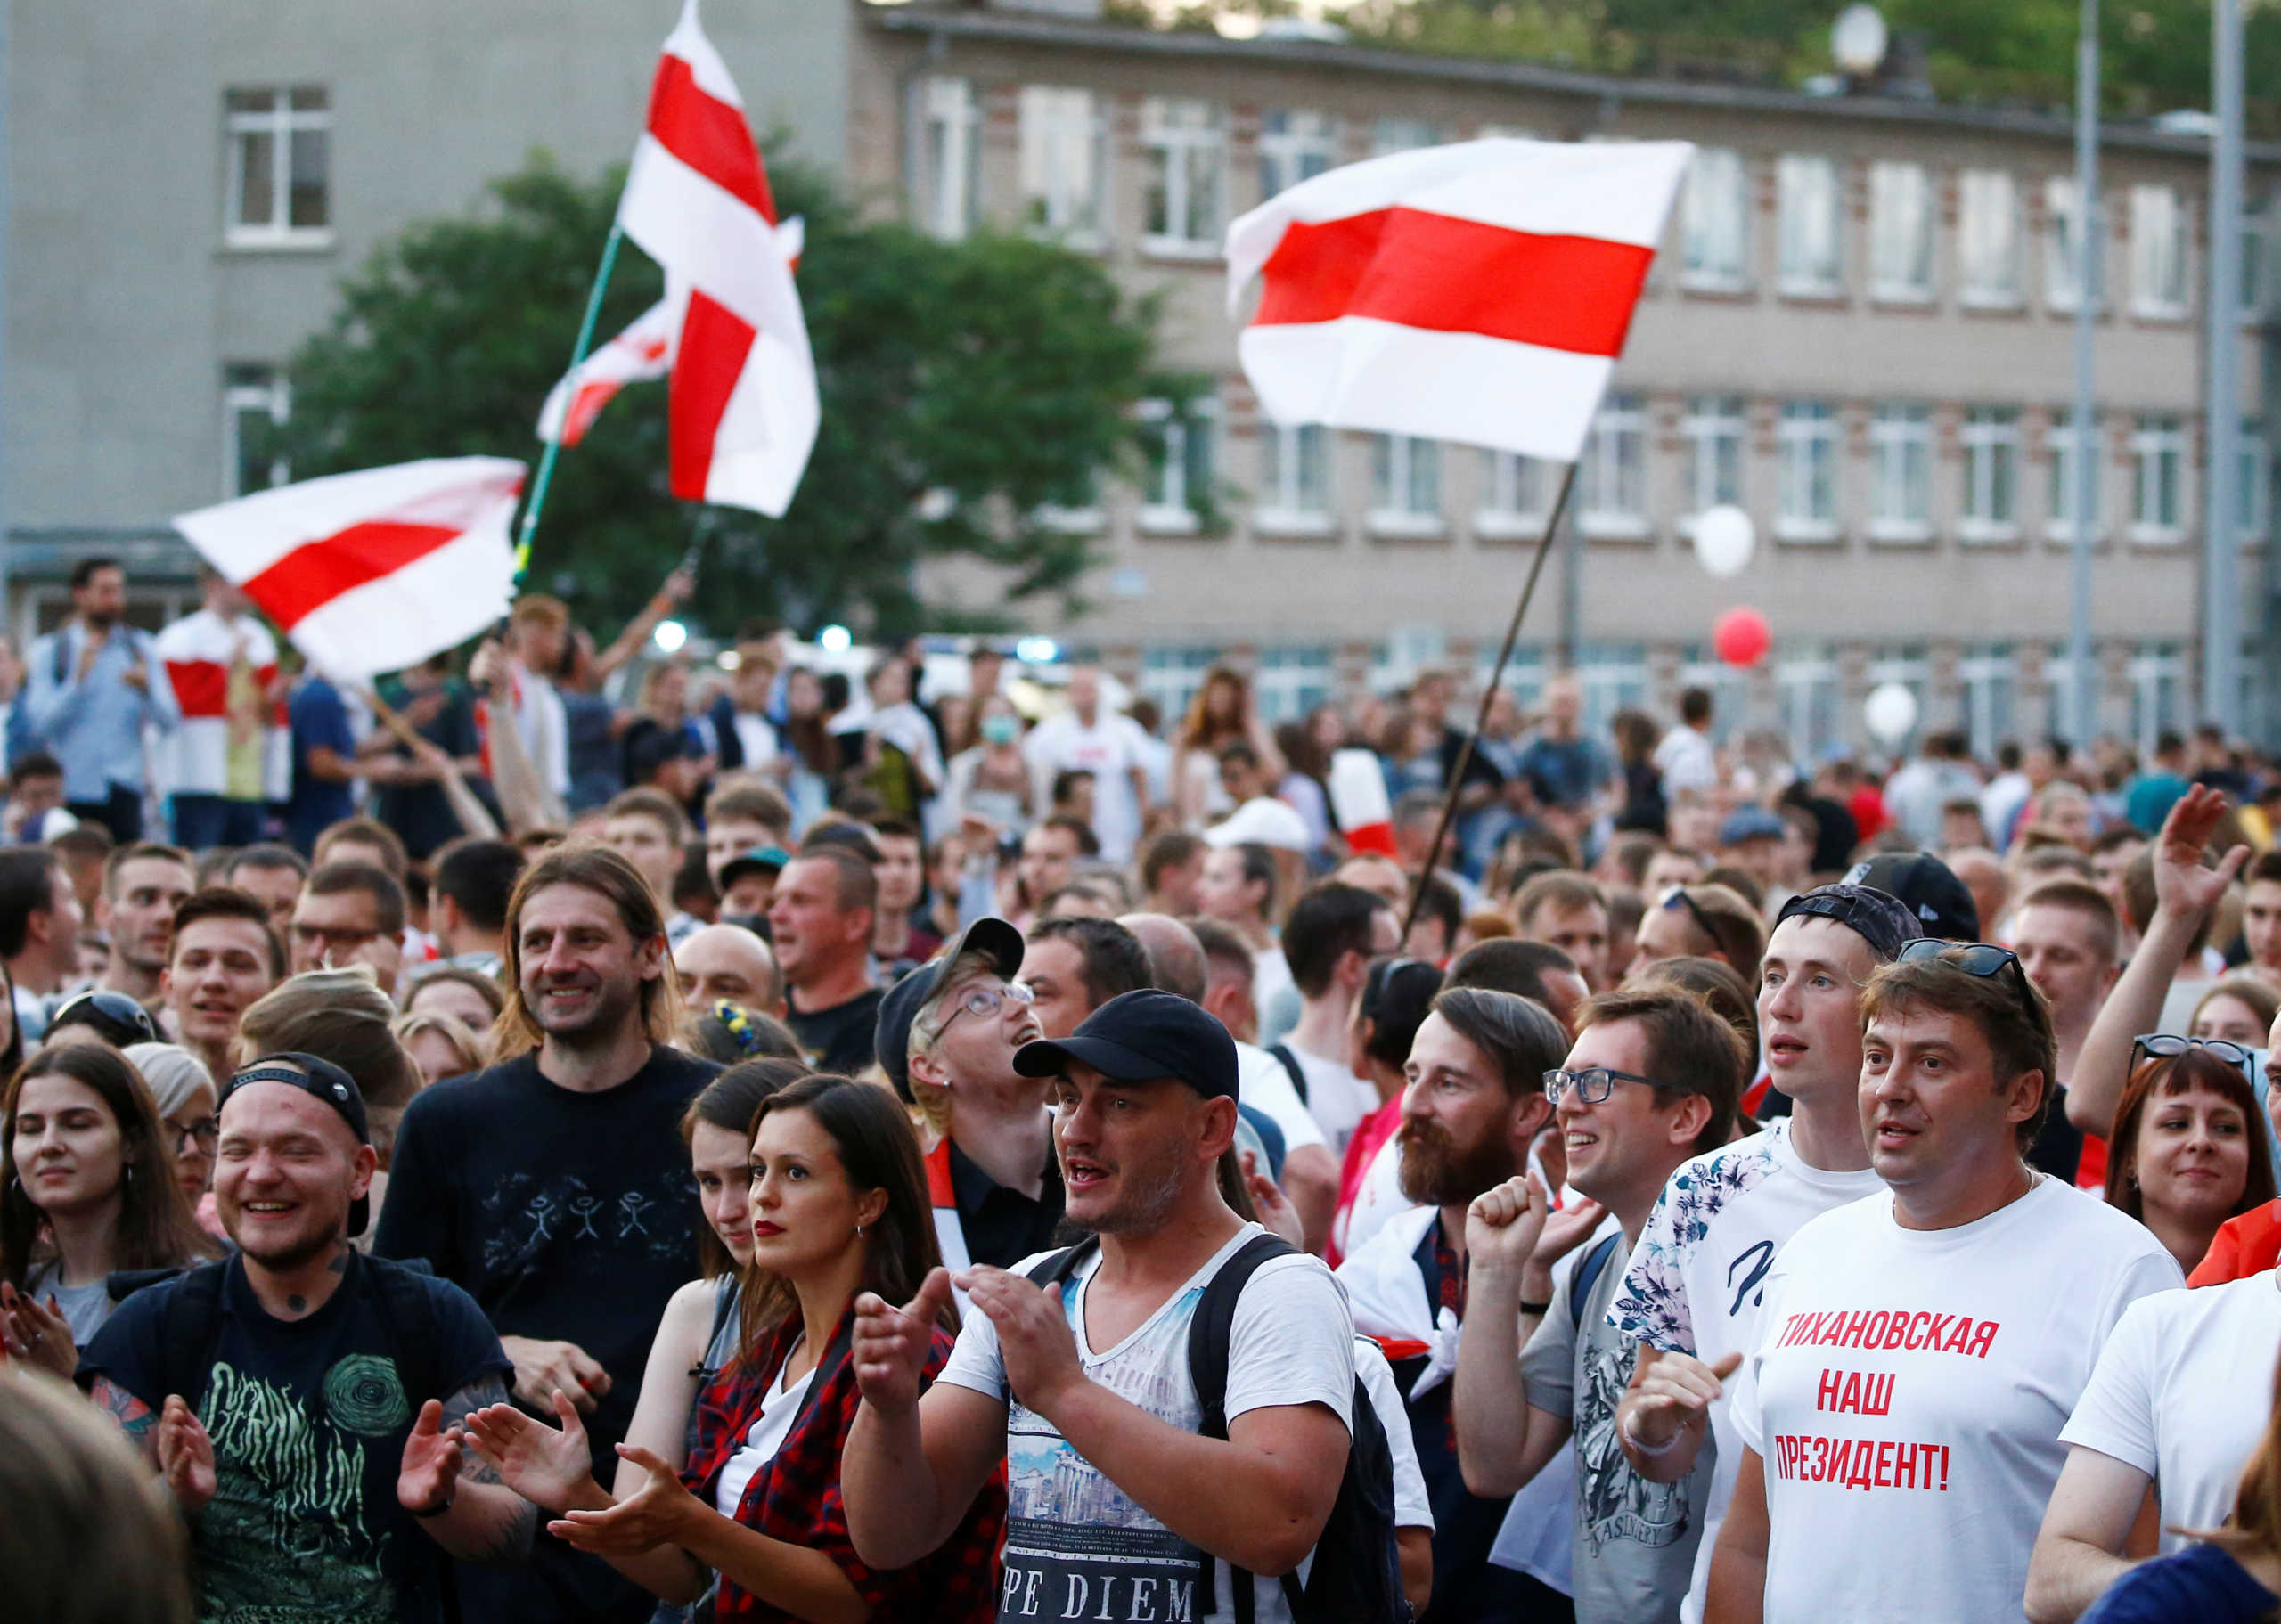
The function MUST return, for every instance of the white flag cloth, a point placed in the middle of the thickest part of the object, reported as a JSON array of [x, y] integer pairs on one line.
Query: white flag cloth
[[744, 407], [373, 571], [1478, 292]]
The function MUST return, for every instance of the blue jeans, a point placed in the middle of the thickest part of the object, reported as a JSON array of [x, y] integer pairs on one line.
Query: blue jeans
[[202, 821]]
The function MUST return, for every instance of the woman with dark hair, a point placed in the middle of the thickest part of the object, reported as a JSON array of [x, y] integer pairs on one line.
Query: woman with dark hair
[[2189, 1150], [1396, 996], [1222, 714], [839, 1206], [87, 1188]]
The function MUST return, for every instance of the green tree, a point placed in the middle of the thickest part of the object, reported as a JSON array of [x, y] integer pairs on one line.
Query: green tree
[[964, 386]]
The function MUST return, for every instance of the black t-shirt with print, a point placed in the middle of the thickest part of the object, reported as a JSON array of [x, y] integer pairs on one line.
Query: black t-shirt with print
[[843, 1039], [308, 1419]]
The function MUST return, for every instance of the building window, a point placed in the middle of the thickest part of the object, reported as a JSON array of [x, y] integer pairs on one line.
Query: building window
[[1901, 233], [1988, 239], [1812, 215], [2158, 694], [950, 166], [2157, 252], [256, 403], [1179, 439], [1187, 163], [2061, 243], [279, 189], [1714, 221], [1516, 496], [1612, 485], [1064, 163], [1807, 439], [1812, 701], [1991, 685], [1293, 479], [1290, 683], [1900, 473], [2060, 504], [2158, 479], [1171, 676], [1293, 146], [1991, 474], [1405, 136], [1405, 485], [1713, 428], [2254, 478]]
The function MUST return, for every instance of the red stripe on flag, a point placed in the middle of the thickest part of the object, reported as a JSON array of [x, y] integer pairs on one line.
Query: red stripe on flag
[[714, 344], [201, 687], [315, 573], [1432, 271], [709, 134]]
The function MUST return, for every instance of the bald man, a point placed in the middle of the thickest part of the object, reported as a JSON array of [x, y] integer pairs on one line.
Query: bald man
[[729, 964], [1176, 964]]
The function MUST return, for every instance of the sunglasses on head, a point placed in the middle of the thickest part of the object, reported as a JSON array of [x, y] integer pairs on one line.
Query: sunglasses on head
[[1980, 958], [2170, 1046], [1677, 897]]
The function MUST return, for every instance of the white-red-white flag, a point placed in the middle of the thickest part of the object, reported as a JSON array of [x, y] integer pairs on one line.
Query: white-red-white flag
[[374, 571], [743, 407], [1478, 292]]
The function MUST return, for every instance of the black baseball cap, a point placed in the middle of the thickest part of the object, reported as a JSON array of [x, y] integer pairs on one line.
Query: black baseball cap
[[994, 938], [1927, 888], [1878, 917], [319, 1079], [1140, 1037], [753, 860]]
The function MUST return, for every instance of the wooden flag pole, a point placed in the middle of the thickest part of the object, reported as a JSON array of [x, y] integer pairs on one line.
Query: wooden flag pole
[[546, 475], [472, 814], [1488, 692]]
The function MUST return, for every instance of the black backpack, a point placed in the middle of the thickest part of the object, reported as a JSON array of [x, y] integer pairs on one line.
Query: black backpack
[[1356, 1577]]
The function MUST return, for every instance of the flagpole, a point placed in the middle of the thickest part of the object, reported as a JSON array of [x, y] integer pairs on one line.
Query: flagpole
[[1488, 693], [577, 357]]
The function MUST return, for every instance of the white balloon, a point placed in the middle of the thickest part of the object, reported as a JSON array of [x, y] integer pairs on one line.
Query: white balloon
[[1724, 540], [1891, 711]]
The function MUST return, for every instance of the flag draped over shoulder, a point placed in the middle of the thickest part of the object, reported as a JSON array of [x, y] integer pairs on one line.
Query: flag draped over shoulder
[[1478, 292], [743, 406], [372, 571]]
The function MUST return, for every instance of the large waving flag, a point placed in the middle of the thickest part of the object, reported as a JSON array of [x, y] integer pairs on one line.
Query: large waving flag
[[1478, 292], [744, 408], [375, 571]]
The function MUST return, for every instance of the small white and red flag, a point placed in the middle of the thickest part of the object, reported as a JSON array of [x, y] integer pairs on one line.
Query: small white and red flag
[[373, 571], [1359, 801], [743, 407], [1478, 292]]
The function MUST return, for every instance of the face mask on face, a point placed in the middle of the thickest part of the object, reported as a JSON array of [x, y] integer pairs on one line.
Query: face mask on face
[[1001, 729]]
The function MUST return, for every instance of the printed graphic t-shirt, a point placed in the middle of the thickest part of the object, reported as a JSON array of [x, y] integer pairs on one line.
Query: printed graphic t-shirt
[[308, 1419], [2167, 1396], [1076, 1546], [1697, 1281], [1908, 1393]]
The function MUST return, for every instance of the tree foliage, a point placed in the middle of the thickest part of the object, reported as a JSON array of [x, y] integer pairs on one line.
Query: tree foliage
[[964, 385]]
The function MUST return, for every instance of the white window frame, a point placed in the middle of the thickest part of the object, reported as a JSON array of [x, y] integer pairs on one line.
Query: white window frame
[[1807, 185], [1289, 682], [1399, 463], [1813, 703], [1516, 496], [281, 123], [1612, 484], [949, 156], [1714, 223], [1903, 218], [1064, 163], [1989, 440], [1405, 135], [1295, 145], [1172, 129], [2160, 250], [2158, 694], [1709, 422], [2059, 442], [1990, 228], [2159, 460], [1802, 428], [244, 393], [1900, 471], [2254, 483], [1172, 675], [1285, 505], [2062, 229], [1167, 506], [1990, 675]]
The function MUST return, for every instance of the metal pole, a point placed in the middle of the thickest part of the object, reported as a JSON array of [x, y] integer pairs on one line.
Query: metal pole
[[2082, 712], [1488, 692], [577, 355], [2221, 636], [1571, 581], [7, 606]]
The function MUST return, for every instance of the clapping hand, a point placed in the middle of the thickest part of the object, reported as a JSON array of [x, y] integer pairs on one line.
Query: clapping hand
[[891, 1344], [2182, 886], [1276, 1214], [430, 1476], [185, 1455], [37, 1333], [656, 1513], [551, 1467], [1034, 1337]]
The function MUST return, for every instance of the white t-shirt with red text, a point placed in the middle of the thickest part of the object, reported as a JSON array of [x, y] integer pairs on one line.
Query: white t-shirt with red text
[[1907, 1392]]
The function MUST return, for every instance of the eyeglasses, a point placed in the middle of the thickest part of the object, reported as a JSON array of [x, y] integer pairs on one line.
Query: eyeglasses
[[1981, 958], [2170, 1046], [331, 936], [979, 1001], [205, 1132], [1595, 1085], [1677, 897]]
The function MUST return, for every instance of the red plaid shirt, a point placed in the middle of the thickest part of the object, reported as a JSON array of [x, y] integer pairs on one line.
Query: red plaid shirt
[[795, 1497]]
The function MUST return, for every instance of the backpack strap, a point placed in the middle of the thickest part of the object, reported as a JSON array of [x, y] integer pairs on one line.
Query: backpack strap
[[1585, 1276], [1052, 1271], [1282, 1052], [1209, 1333], [189, 1329], [408, 1309]]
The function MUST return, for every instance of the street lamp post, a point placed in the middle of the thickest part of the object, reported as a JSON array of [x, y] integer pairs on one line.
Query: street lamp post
[[2222, 637]]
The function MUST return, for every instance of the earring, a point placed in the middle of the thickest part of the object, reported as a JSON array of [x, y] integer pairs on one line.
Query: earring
[[859, 1231]]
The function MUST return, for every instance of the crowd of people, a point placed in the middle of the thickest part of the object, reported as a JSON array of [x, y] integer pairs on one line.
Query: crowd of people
[[775, 1153]]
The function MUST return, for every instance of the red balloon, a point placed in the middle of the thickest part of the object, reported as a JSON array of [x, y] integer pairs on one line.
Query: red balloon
[[1741, 636]]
